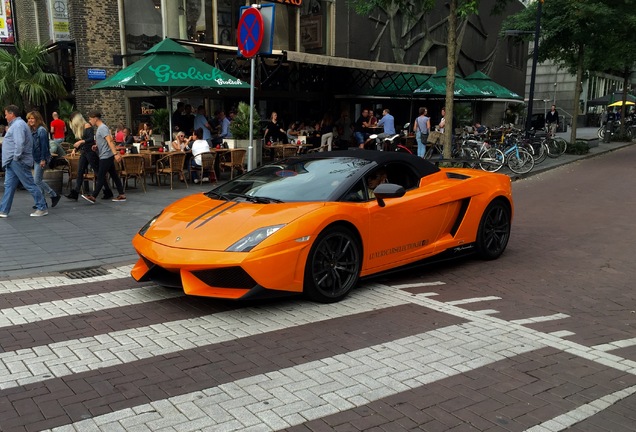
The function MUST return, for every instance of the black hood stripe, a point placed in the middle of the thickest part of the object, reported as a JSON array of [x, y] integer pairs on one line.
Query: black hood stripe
[[205, 213], [213, 216]]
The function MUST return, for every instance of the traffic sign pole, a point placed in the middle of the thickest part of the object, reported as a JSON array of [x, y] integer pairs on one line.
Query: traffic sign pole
[[250, 37]]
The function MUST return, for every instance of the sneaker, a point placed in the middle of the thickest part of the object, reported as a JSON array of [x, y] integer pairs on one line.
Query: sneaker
[[39, 213], [120, 198], [89, 198], [205, 180], [55, 200], [196, 181], [3, 215]]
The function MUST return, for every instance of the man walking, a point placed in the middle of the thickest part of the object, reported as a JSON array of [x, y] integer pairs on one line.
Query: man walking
[[108, 155], [17, 161], [552, 119]]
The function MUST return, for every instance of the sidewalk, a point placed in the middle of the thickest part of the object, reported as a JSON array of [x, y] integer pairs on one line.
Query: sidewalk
[[78, 235]]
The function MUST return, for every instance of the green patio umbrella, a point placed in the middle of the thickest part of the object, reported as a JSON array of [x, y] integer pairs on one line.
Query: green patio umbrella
[[170, 69], [435, 86], [400, 85], [484, 82]]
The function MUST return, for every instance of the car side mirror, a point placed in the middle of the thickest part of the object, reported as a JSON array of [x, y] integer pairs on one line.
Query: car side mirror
[[388, 190]]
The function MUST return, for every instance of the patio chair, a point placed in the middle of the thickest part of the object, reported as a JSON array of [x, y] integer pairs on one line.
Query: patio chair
[[73, 167], [133, 168], [207, 166], [236, 161], [170, 165]]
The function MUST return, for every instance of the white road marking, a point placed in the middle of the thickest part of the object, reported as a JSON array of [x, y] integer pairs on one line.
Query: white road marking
[[294, 395], [36, 283], [80, 305], [540, 319], [472, 300], [89, 353], [624, 343], [577, 415]]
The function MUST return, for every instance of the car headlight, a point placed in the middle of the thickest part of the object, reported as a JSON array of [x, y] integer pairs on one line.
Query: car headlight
[[253, 239], [150, 223]]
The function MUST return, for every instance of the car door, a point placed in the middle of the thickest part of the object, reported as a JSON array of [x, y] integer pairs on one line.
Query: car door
[[406, 229]]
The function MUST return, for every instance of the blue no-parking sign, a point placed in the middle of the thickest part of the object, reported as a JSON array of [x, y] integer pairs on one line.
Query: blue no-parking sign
[[255, 32]]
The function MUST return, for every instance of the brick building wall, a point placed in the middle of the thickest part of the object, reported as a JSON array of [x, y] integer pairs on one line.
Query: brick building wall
[[94, 27]]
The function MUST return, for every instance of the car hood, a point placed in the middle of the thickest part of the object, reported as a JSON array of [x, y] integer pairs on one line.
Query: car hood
[[199, 222]]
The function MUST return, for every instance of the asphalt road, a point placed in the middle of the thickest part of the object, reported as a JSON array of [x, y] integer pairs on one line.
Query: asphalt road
[[542, 339]]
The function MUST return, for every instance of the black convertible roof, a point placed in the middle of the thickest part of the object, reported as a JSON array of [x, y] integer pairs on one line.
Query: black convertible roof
[[423, 167]]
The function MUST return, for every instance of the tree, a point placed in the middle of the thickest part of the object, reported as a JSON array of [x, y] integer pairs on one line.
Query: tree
[[578, 36], [24, 80], [458, 10]]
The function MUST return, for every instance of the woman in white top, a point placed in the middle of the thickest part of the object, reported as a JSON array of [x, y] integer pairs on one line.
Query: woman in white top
[[180, 142], [421, 128], [198, 146]]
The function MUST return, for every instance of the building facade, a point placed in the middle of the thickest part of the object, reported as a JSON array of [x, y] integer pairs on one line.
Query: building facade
[[325, 57]]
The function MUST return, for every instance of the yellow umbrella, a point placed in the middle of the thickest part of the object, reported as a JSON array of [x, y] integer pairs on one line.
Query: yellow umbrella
[[620, 103]]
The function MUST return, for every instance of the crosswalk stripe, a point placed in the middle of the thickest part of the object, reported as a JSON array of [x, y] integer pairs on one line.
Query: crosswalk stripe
[[79, 305], [61, 358], [44, 282], [313, 390]]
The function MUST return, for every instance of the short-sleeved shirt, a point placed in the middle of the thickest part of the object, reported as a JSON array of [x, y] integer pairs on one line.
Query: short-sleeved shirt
[[199, 122], [58, 126], [103, 149]]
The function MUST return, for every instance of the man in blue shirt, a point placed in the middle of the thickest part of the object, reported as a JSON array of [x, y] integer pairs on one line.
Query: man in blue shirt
[[17, 161], [224, 123], [201, 121], [388, 122]]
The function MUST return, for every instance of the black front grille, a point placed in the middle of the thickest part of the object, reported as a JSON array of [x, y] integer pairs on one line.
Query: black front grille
[[227, 277]]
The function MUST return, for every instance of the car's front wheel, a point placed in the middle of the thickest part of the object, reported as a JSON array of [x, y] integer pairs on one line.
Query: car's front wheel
[[333, 265], [494, 230]]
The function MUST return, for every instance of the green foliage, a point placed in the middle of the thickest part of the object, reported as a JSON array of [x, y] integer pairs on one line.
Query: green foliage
[[578, 148], [240, 126], [64, 110], [24, 80], [161, 121], [463, 114]]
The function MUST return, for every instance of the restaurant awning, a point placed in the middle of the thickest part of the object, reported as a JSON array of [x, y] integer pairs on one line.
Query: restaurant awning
[[301, 57], [398, 84], [435, 86], [485, 83]]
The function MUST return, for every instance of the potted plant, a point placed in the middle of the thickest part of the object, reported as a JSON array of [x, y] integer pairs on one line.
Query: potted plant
[[161, 124], [240, 129]]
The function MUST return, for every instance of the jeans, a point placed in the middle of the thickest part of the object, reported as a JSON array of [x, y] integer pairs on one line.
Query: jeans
[[38, 173], [107, 166], [16, 172], [421, 143], [361, 137]]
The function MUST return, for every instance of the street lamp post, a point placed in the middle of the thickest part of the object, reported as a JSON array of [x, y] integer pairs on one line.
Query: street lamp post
[[535, 59], [533, 74]]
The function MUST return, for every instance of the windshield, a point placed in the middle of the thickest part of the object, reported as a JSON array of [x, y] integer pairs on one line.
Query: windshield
[[294, 180]]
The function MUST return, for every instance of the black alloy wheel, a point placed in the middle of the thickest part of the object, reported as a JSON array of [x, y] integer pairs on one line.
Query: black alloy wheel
[[494, 230], [333, 265]]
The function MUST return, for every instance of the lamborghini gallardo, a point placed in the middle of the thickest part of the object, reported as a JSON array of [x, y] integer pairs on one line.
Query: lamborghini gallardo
[[316, 224]]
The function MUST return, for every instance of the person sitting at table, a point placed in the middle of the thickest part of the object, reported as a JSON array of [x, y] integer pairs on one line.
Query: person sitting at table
[[181, 142], [145, 132], [198, 146], [119, 134], [128, 140], [373, 120], [293, 133], [313, 136]]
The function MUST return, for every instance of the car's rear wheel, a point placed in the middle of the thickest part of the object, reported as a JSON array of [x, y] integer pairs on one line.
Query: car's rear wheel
[[494, 230], [333, 265]]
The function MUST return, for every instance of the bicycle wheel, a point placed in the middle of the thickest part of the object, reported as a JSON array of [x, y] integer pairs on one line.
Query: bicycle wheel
[[491, 160], [469, 157], [520, 161], [562, 145], [601, 132], [553, 148], [541, 152]]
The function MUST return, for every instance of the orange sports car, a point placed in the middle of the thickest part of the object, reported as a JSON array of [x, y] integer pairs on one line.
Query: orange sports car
[[315, 224]]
